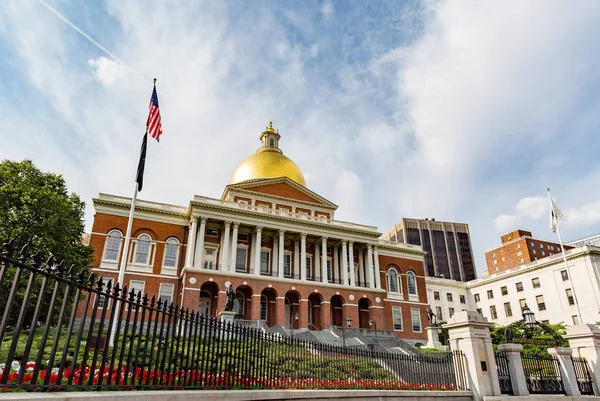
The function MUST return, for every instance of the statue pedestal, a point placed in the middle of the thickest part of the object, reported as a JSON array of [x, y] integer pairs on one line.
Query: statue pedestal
[[227, 316], [433, 340]]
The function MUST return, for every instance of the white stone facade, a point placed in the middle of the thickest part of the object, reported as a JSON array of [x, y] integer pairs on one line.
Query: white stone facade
[[544, 285]]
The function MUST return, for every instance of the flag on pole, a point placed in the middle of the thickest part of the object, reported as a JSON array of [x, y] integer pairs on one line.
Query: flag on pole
[[555, 215], [139, 178], [154, 125]]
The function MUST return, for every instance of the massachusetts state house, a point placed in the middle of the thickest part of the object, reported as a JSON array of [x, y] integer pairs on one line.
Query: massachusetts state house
[[291, 263]]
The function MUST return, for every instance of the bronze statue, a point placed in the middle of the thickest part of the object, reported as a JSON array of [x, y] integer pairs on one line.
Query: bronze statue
[[230, 294]]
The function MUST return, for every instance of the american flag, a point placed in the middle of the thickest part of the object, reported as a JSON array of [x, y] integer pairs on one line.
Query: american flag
[[154, 124]]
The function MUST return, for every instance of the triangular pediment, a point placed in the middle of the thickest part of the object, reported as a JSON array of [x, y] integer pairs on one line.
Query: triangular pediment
[[282, 188]]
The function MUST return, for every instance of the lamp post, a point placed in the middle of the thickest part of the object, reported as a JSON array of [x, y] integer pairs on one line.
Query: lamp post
[[528, 317], [349, 323]]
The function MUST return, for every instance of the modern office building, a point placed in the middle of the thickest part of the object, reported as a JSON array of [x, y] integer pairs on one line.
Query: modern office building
[[277, 243], [593, 240], [448, 246], [518, 248]]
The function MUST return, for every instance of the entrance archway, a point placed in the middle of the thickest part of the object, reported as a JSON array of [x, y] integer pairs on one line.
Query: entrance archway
[[337, 314], [267, 306], [314, 312], [209, 294], [291, 308], [243, 310], [363, 313]]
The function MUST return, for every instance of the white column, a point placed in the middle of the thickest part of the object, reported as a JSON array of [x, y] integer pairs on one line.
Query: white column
[[377, 273], [191, 242], [281, 248], [351, 263], [324, 276], [225, 249], [257, 247], [515, 368], [370, 266], [297, 258], [234, 239], [303, 256], [567, 370], [361, 268], [200, 243], [252, 248], [317, 258], [336, 262], [345, 264], [274, 256]]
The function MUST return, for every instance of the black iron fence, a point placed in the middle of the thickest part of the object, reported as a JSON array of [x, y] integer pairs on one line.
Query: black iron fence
[[162, 346], [503, 373], [542, 373], [584, 379]]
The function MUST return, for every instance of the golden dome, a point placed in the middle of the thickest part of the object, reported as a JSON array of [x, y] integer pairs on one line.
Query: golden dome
[[268, 162]]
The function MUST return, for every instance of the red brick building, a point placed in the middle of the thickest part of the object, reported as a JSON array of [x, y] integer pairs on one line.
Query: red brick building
[[276, 242], [519, 248]]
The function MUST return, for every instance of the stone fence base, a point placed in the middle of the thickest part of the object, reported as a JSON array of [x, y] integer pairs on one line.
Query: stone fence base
[[246, 395]]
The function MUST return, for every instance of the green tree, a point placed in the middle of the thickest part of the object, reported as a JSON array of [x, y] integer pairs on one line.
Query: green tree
[[36, 207]]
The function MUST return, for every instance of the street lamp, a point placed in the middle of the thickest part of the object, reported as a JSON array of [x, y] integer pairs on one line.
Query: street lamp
[[349, 323], [528, 317]]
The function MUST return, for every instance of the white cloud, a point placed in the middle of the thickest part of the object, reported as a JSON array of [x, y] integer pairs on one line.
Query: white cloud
[[584, 216], [107, 70], [327, 9], [506, 222], [534, 207]]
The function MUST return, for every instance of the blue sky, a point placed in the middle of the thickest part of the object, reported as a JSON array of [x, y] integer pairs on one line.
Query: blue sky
[[462, 111]]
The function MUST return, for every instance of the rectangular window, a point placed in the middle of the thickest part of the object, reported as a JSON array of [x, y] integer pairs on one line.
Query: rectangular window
[[522, 303], [436, 295], [490, 294], [165, 293], [309, 267], [241, 257], [265, 259], [171, 253], [494, 255], [108, 283], [570, 296], [477, 297], [521, 260], [439, 314], [397, 318], [520, 253], [507, 309], [536, 282], [534, 252], [504, 290], [564, 275], [287, 264], [449, 297], [450, 312], [211, 232], [542, 246], [540, 302], [415, 317], [543, 253], [137, 286], [575, 319], [329, 272], [519, 286], [494, 262], [243, 237], [462, 299], [518, 246], [493, 312]]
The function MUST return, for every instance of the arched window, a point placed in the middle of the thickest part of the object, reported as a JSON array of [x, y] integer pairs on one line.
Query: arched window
[[238, 304], [264, 308], [113, 245], [171, 252], [142, 250], [392, 280], [271, 142], [412, 283], [310, 313]]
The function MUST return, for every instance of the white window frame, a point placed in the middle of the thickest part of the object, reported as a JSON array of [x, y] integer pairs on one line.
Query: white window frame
[[101, 298], [309, 266], [287, 254], [149, 263], [412, 320], [112, 263], [138, 290], [329, 269], [390, 281], [394, 322], [269, 262], [165, 285], [171, 269], [245, 247], [215, 249], [209, 232], [262, 296], [412, 296]]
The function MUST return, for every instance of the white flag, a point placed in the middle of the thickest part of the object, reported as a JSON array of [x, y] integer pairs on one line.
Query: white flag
[[555, 215]]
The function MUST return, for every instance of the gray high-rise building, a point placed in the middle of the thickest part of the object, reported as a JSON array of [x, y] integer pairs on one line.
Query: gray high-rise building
[[448, 246]]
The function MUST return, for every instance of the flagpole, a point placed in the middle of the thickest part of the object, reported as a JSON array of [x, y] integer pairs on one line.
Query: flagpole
[[565, 259], [123, 263]]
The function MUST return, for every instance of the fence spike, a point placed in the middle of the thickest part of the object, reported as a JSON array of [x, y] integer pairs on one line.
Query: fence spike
[[10, 247], [25, 250], [153, 302], [37, 260], [50, 262], [71, 271], [61, 268]]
